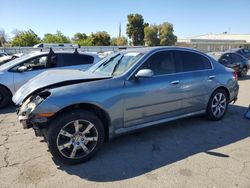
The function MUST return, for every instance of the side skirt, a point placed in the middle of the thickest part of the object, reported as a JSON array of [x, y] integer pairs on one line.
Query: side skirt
[[133, 128]]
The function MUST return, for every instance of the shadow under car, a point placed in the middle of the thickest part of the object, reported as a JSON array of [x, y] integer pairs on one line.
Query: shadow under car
[[138, 153]]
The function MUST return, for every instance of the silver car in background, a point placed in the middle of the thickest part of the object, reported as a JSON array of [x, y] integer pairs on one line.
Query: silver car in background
[[78, 111], [17, 72]]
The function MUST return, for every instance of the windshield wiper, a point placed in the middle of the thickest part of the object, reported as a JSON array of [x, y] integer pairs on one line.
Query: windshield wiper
[[116, 65], [107, 61]]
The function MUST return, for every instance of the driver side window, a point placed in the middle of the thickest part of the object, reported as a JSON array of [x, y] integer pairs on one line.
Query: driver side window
[[161, 63]]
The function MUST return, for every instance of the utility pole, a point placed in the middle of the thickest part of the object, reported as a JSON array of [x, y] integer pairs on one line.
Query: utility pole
[[120, 30]]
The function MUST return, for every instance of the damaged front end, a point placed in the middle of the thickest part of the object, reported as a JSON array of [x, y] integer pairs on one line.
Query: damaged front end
[[28, 116]]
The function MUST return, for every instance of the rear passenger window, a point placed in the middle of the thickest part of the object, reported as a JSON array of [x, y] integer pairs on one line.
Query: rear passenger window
[[193, 61], [236, 58], [76, 59]]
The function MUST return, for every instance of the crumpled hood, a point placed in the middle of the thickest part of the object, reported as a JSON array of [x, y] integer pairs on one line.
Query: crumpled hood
[[53, 79]]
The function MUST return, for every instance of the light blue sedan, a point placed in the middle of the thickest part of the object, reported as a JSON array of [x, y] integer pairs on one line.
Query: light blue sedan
[[78, 111]]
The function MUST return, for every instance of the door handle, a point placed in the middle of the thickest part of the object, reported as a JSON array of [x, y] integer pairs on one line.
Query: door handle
[[175, 82], [211, 77]]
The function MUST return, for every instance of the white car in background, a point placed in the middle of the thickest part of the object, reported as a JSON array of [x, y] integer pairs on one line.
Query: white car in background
[[2, 54], [19, 71], [4, 57]]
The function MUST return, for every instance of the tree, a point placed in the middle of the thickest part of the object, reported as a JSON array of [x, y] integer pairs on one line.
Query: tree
[[3, 37], [25, 38], [79, 36], [82, 39], [85, 42], [166, 32], [55, 38], [119, 41], [101, 38], [135, 29], [151, 35]]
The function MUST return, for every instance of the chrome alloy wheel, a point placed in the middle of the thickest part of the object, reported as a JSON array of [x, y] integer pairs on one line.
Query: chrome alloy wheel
[[77, 139], [219, 104]]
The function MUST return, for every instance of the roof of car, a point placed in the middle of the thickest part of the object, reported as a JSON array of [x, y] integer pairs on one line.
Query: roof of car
[[221, 53], [151, 49], [63, 52], [234, 50], [217, 55]]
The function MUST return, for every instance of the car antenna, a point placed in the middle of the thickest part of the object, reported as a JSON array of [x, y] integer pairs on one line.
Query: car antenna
[[76, 52]]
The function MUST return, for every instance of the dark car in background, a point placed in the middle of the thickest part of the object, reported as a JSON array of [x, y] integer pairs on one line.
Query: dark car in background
[[242, 51], [232, 60]]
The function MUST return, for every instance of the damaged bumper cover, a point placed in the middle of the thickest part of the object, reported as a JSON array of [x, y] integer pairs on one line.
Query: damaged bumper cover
[[32, 121], [31, 112]]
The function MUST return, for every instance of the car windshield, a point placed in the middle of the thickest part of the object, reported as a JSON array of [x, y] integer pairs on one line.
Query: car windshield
[[116, 64]]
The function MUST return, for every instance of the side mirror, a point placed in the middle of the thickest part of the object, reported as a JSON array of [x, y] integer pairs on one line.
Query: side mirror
[[22, 69], [144, 73]]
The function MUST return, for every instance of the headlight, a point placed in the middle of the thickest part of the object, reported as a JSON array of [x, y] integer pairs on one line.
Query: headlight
[[30, 105]]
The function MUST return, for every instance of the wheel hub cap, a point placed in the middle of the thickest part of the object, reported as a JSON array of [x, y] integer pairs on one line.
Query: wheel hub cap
[[77, 138], [219, 104]]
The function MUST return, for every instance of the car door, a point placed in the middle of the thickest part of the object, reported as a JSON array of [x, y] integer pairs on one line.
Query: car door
[[197, 80], [154, 98], [76, 61], [34, 66]]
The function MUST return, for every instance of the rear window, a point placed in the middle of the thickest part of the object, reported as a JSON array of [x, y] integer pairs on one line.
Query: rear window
[[246, 51], [193, 61], [76, 59]]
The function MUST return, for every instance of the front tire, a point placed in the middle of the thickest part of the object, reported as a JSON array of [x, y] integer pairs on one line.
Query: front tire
[[75, 136], [217, 105], [5, 97]]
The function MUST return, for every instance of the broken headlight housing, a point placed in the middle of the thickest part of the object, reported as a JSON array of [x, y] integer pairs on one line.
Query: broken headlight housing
[[31, 103]]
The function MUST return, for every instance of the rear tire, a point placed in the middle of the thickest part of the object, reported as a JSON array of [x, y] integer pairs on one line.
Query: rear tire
[[5, 97], [243, 73], [217, 105], [75, 136]]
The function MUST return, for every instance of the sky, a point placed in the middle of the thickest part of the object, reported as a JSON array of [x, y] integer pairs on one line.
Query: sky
[[189, 17]]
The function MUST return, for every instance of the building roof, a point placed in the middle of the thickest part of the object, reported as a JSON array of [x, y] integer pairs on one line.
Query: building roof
[[220, 37]]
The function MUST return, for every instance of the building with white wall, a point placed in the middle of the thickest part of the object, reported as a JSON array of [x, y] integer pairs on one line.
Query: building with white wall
[[216, 42]]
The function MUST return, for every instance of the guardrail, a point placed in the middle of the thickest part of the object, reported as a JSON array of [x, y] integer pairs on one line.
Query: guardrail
[[97, 49]]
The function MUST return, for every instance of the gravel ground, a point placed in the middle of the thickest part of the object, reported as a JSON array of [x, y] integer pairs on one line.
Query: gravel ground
[[193, 152]]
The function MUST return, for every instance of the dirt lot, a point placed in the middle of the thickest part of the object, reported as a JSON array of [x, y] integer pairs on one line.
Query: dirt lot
[[193, 152]]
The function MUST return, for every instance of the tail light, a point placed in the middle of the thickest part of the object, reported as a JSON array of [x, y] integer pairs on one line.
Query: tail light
[[235, 75]]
